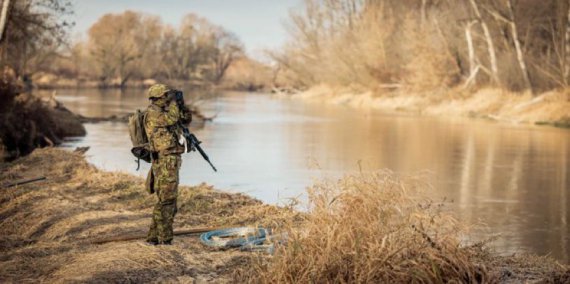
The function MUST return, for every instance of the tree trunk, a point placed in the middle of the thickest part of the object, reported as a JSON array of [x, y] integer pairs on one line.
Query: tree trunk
[[520, 55], [424, 14], [452, 53], [471, 50], [567, 47], [490, 44], [3, 18], [124, 81]]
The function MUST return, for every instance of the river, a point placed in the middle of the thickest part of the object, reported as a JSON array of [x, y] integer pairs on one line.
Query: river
[[511, 179]]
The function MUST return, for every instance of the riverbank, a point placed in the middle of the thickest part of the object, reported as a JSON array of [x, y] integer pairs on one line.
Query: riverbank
[[551, 108], [48, 228], [28, 122], [381, 227], [53, 82], [143, 85]]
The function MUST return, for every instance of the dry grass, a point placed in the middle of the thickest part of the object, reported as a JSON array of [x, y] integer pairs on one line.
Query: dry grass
[[47, 226], [374, 228], [491, 103], [363, 228]]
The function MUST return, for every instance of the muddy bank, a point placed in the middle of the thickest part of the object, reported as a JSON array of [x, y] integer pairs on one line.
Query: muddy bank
[[551, 108], [28, 122], [46, 226]]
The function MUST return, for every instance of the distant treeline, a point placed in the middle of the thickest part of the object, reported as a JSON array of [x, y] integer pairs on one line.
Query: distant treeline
[[119, 49], [133, 45], [429, 44]]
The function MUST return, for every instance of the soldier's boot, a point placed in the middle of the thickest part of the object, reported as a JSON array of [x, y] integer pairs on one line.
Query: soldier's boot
[[152, 242]]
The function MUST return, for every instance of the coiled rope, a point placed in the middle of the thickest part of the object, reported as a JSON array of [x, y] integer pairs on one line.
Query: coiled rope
[[245, 238], [233, 237]]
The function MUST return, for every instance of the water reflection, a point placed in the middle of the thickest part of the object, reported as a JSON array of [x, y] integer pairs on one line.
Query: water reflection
[[513, 179]]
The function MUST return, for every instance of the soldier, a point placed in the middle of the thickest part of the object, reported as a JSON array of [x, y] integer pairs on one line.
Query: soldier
[[162, 126]]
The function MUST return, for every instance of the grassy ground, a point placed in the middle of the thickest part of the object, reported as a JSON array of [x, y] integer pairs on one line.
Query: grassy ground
[[373, 227], [46, 226]]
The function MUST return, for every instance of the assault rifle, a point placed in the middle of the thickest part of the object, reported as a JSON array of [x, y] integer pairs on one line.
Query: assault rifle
[[191, 142], [194, 144]]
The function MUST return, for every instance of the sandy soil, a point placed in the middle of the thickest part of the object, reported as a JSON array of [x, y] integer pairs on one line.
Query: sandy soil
[[549, 108], [47, 226]]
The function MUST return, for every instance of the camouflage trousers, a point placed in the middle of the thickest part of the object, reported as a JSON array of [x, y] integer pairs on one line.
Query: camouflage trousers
[[163, 178]]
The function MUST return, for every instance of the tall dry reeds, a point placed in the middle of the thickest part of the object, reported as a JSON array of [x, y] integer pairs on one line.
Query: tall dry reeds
[[370, 228]]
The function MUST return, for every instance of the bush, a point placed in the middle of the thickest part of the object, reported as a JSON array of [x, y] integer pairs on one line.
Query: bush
[[369, 228]]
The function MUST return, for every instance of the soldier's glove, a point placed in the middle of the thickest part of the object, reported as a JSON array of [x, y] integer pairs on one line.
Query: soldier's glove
[[176, 96], [171, 96]]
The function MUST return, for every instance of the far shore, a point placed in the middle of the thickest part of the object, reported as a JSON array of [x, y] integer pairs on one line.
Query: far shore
[[49, 83], [550, 108]]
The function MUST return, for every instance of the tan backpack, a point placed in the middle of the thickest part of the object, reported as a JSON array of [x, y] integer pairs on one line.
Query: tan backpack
[[141, 146]]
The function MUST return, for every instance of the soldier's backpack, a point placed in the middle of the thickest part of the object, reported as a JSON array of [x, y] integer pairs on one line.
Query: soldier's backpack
[[141, 148]]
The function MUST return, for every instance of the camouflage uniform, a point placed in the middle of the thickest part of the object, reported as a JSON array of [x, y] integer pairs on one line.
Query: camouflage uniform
[[162, 129]]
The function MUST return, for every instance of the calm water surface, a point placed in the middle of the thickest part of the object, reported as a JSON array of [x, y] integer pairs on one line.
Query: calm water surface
[[513, 179]]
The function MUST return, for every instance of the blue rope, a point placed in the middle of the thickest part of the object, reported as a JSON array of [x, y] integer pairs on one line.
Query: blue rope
[[246, 238], [234, 237]]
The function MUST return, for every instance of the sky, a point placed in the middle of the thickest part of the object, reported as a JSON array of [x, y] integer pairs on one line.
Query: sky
[[258, 23]]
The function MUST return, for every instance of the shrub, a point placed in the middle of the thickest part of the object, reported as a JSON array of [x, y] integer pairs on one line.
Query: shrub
[[370, 228]]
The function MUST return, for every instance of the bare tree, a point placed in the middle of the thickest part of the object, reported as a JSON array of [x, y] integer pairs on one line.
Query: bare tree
[[423, 12], [489, 39], [228, 49], [198, 51], [3, 17], [119, 42], [32, 31], [511, 21], [473, 66], [567, 47], [520, 56]]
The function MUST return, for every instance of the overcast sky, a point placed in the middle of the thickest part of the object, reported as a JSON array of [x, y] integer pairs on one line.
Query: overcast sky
[[258, 23]]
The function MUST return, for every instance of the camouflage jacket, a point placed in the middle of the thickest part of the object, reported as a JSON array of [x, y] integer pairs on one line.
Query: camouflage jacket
[[163, 129]]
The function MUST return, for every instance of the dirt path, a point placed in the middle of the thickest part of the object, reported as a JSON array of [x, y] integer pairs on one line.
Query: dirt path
[[47, 226]]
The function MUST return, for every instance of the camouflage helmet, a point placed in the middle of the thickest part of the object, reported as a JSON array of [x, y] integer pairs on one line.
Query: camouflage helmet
[[158, 90]]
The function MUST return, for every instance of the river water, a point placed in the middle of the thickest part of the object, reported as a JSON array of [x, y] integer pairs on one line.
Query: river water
[[515, 180]]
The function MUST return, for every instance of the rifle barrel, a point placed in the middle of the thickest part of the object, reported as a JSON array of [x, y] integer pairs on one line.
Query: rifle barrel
[[196, 143], [205, 156]]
